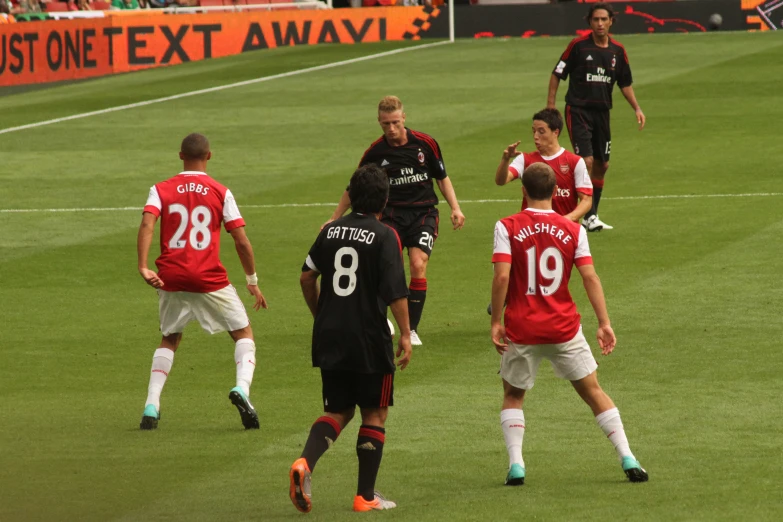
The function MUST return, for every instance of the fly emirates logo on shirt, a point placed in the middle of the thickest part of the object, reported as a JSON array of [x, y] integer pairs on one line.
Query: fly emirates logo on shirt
[[407, 175], [544, 228], [601, 77]]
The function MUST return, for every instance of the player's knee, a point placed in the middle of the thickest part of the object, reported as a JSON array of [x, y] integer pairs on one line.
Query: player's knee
[[602, 167], [242, 333], [374, 416], [418, 266], [171, 341]]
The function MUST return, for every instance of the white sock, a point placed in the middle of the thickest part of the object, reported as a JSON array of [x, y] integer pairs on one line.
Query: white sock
[[513, 423], [245, 357], [610, 422], [161, 366]]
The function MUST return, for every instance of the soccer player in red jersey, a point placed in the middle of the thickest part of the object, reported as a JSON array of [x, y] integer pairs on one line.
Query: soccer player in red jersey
[[594, 63], [574, 195], [412, 161], [191, 282], [535, 251]]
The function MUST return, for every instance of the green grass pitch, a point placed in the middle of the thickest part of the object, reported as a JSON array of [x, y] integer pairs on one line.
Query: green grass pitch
[[693, 287]]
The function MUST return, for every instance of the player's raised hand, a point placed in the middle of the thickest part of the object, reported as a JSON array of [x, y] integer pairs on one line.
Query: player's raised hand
[[498, 334], [457, 219], [260, 299], [151, 278], [606, 339], [511, 151], [640, 118], [404, 351]]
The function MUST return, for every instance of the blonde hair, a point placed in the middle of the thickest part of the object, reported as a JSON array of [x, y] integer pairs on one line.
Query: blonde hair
[[390, 104]]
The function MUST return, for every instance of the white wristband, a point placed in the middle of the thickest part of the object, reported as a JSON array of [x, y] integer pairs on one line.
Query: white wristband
[[252, 280]]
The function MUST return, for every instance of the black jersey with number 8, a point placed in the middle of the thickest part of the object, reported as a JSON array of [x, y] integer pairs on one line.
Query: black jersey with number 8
[[362, 272]]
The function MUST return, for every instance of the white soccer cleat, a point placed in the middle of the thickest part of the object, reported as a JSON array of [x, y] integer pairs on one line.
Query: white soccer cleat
[[391, 327], [378, 503], [592, 224], [603, 225], [415, 341]]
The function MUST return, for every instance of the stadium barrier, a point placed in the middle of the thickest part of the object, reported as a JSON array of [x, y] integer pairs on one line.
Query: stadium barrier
[[56, 50], [562, 19]]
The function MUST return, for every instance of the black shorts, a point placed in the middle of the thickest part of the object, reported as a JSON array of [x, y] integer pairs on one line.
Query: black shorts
[[590, 132], [417, 227], [342, 390]]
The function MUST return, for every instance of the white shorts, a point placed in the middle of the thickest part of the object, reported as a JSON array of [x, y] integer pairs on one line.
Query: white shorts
[[571, 360], [216, 311]]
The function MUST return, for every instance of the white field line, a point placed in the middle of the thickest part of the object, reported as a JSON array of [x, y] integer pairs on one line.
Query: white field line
[[221, 87], [332, 204]]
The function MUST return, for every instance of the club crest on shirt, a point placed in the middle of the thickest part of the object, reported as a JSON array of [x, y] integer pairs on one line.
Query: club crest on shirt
[[421, 157], [564, 168], [614, 61]]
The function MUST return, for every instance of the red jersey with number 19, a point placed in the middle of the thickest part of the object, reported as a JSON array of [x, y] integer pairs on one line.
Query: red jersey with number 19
[[542, 247], [192, 206]]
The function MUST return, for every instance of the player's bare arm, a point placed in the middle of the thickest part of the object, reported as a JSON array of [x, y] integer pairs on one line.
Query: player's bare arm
[[447, 189], [503, 175], [248, 260], [309, 283], [595, 293], [582, 208], [631, 97], [554, 83], [146, 231], [399, 308], [499, 291]]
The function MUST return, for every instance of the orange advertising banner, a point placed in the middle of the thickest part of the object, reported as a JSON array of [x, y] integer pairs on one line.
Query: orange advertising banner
[[55, 50]]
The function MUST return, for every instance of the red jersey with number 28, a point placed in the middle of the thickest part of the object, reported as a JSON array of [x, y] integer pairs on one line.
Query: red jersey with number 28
[[570, 171], [542, 248], [191, 207]]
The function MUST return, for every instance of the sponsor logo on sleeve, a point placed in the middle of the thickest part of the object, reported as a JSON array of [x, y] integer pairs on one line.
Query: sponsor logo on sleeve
[[560, 67]]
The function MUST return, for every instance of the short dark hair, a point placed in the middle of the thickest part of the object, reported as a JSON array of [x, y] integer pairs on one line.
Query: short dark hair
[[539, 181], [195, 147], [369, 189], [600, 5], [551, 117]]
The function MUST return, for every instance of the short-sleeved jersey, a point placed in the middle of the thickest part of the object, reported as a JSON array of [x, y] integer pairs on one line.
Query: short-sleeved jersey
[[361, 266], [594, 71], [542, 247], [571, 173], [411, 168], [191, 207]]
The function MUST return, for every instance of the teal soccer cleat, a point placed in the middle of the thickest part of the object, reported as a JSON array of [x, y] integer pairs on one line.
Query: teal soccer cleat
[[246, 410], [516, 475], [150, 418], [633, 470]]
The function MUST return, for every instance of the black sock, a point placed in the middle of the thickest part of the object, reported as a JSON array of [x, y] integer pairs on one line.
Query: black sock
[[324, 432], [598, 188], [416, 298], [369, 449]]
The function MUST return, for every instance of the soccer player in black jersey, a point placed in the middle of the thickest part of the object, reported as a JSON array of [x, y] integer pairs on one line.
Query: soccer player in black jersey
[[412, 160], [359, 260], [594, 63]]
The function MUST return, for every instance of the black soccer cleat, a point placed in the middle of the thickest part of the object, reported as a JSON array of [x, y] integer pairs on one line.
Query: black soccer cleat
[[246, 410]]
